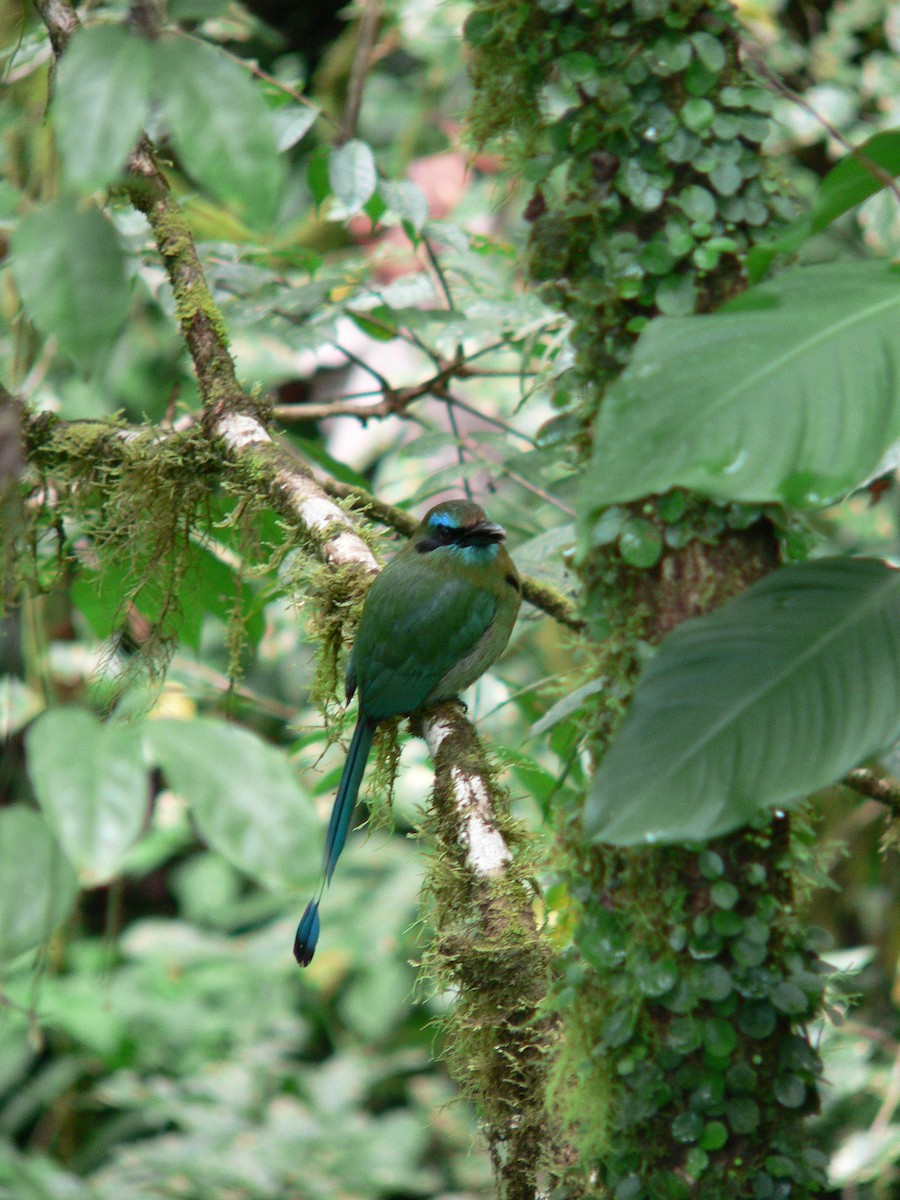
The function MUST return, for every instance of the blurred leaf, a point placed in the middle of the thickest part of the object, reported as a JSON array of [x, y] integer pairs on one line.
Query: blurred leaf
[[37, 884], [352, 175], [292, 123], [18, 704], [70, 270], [207, 587], [843, 188], [776, 694], [545, 555], [569, 704], [90, 780], [407, 201], [244, 796], [221, 127], [317, 174], [317, 453], [373, 329], [195, 10], [101, 100], [851, 181], [813, 355]]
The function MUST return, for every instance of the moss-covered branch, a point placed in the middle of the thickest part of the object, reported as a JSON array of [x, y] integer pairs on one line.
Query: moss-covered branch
[[489, 950]]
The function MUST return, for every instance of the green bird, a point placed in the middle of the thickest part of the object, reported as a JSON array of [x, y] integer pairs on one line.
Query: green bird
[[434, 620]]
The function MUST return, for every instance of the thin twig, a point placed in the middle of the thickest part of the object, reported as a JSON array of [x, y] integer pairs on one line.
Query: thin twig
[[778, 85], [363, 366], [439, 272], [451, 417], [256, 70], [368, 30], [489, 420]]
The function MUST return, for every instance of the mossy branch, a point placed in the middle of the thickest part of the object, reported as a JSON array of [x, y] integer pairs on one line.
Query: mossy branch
[[488, 948]]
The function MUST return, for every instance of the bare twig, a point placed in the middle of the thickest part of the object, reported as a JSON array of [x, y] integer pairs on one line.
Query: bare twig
[[460, 450], [369, 20], [874, 786], [438, 271]]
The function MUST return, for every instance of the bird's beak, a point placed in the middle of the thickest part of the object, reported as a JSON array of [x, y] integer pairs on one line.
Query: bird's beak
[[490, 531]]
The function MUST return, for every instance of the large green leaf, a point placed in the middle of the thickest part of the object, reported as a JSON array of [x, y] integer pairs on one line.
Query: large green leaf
[[791, 395], [37, 885], [70, 270], [221, 127], [90, 779], [244, 797], [778, 693], [101, 102]]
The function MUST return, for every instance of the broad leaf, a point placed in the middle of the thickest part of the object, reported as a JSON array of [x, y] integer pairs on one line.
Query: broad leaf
[[37, 884], [90, 780], [778, 693], [221, 127], [790, 395], [244, 796], [352, 175], [70, 271], [101, 101]]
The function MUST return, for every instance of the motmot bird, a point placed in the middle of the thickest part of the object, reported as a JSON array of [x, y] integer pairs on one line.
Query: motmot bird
[[433, 621]]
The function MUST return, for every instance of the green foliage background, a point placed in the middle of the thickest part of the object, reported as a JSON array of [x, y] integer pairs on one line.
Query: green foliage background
[[162, 1042]]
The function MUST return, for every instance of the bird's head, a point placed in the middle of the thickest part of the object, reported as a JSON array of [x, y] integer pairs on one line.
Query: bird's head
[[460, 526]]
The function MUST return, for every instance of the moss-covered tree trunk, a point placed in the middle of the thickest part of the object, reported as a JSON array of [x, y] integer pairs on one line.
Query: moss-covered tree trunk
[[683, 1066]]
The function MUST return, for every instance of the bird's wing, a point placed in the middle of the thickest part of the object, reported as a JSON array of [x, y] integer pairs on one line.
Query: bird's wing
[[416, 627]]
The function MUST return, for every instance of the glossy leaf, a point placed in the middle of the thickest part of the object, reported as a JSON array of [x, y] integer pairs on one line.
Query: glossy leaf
[[69, 268], [90, 780], [37, 884], [221, 127], [352, 175], [790, 395], [101, 101], [244, 796], [775, 695]]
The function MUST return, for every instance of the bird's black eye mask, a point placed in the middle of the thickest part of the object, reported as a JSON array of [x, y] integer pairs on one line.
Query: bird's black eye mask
[[448, 535]]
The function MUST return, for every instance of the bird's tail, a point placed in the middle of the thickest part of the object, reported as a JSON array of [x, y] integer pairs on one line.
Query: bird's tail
[[338, 827]]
